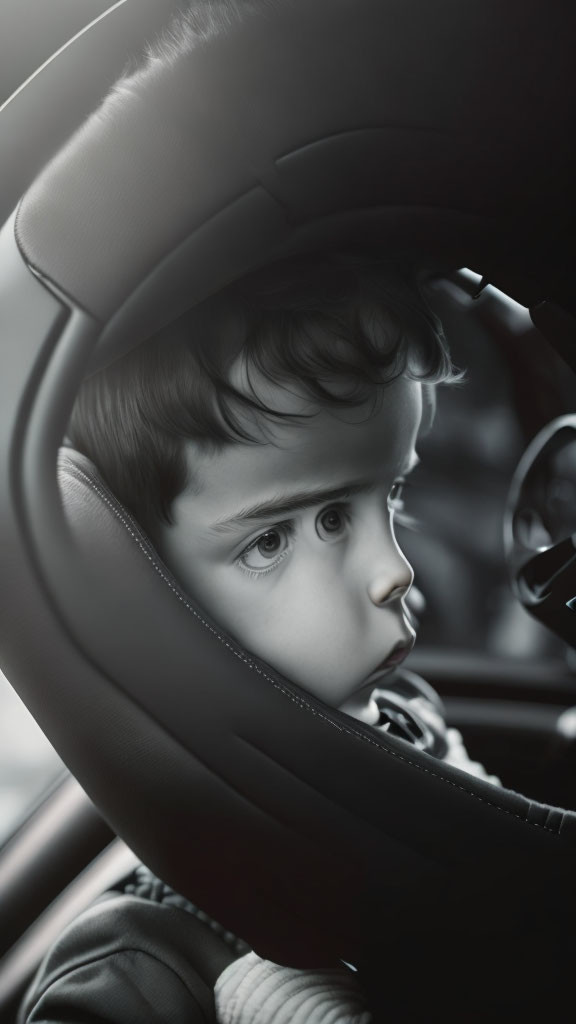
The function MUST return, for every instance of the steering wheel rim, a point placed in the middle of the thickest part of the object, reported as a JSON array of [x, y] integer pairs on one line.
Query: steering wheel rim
[[542, 560]]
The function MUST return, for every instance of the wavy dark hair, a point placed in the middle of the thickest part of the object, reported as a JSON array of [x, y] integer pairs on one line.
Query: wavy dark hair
[[339, 327]]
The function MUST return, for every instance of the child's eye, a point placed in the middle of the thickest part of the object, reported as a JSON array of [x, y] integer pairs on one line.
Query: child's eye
[[331, 523], [396, 496], [264, 554]]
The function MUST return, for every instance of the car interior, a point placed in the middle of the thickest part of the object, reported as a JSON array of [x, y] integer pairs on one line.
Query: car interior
[[431, 129]]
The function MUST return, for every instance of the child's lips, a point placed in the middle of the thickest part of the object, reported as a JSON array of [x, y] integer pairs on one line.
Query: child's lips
[[397, 655]]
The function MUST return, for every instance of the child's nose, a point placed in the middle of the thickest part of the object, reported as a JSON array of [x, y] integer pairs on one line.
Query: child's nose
[[390, 580]]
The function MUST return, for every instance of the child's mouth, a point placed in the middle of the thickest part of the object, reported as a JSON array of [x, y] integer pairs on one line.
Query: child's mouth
[[396, 656]]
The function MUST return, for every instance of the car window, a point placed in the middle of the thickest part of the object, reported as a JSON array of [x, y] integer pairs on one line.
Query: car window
[[29, 764]]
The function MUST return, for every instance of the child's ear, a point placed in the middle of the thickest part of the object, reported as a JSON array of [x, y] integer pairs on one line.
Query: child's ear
[[428, 408]]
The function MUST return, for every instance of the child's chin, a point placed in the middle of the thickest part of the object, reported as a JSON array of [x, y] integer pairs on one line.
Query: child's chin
[[366, 711]]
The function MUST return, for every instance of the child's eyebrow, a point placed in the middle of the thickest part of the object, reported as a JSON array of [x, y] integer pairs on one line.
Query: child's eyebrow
[[284, 504]]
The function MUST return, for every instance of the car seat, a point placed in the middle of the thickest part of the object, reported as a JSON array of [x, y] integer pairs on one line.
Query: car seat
[[287, 127]]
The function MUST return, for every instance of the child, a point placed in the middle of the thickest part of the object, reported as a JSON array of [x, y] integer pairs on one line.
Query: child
[[263, 442]]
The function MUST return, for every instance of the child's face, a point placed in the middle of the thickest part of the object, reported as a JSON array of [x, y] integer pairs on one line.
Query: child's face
[[290, 545]]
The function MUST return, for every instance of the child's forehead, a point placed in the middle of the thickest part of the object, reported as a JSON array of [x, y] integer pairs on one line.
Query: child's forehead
[[329, 446], [292, 396]]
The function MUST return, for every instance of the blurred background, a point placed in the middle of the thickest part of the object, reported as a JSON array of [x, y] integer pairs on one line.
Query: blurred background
[[32, 30], [514, 385]]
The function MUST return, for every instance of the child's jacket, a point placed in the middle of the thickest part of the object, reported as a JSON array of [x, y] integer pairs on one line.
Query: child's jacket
[[142, 954]]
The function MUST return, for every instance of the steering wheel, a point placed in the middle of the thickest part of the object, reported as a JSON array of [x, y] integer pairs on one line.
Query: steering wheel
[[539, 528]]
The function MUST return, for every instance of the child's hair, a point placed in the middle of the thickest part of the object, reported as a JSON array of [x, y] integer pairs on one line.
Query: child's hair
[[337, 327]]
